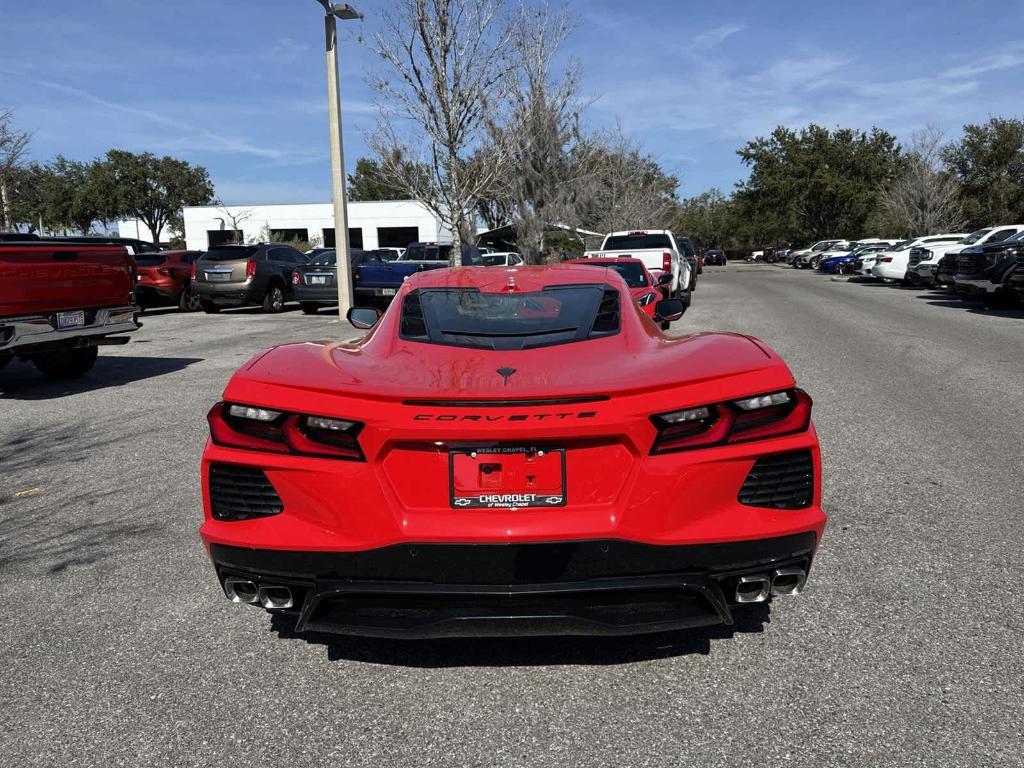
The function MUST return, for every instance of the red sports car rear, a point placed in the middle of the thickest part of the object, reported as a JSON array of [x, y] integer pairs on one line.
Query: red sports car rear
[[512, 451]]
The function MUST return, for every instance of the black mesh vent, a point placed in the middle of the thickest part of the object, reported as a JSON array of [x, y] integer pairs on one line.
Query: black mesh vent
[[607, 319], [413, 324], [783, 481], [970, 263], [241, 493]]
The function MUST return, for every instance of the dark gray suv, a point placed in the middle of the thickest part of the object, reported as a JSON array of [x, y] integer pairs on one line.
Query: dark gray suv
[[237, 275]]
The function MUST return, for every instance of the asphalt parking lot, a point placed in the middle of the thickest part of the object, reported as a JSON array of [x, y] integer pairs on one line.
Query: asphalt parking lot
[[118, 647]]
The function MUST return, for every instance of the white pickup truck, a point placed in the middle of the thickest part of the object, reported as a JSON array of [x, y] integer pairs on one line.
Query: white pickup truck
[[661, 252]]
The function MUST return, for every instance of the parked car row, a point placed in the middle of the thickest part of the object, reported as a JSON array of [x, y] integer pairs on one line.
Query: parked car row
[[987, 265]]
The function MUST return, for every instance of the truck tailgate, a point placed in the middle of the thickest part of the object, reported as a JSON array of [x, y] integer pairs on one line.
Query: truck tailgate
[[391, 274], [46, 278], [653, 258]]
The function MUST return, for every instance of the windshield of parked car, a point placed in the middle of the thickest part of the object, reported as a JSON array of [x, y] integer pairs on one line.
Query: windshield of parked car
[[975, 236], [824, 245], [1015, 238], [229, 253], [468, 317], [632, 272], [635, 241]]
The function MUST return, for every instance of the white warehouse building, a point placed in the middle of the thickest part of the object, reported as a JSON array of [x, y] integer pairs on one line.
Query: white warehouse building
[[372, 224]]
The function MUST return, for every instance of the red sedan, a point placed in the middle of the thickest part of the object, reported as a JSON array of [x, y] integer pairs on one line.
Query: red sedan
[[166, 278], [512, 451]]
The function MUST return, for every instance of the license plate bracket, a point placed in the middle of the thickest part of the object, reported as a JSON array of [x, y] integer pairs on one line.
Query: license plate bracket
[[506, 477], [70, 319]]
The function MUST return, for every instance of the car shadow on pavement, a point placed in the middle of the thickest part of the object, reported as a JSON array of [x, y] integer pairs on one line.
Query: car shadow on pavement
[[21, 381], [525, 651], [942, 299]]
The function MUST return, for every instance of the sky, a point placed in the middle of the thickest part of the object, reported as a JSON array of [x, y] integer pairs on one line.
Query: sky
[[239, 85]]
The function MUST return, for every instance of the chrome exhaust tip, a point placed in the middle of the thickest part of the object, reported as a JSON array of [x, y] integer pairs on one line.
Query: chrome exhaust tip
[[788, 581], [275, 597], [241, 591], [753, 589]]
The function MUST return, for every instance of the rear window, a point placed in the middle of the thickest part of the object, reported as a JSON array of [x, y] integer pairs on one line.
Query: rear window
[[421, 252], [636, 242], [227, 254], [149, 259], [327, 259], [467, 317], [633, 273], [494, 260]]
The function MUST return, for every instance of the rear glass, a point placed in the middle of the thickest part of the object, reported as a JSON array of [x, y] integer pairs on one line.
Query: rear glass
[[633, 273], [636, 242], [149, 259], [327, 259], [421, 252], [227, 254], [467, 317]]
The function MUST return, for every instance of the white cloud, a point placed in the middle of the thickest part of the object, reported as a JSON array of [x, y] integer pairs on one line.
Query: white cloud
[[1005, 60], [715, 37]]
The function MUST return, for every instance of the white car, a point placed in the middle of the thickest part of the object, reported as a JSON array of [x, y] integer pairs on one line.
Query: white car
[[892, 264], [502, 259], [922, 268]]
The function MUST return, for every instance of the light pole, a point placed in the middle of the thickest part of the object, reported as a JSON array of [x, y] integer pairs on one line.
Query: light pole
[[344, 272]]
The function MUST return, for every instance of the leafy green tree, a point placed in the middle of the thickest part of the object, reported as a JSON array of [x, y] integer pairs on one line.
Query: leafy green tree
[[368, 182], [707, 219], [150, 188], [815, 183], [988, 161]]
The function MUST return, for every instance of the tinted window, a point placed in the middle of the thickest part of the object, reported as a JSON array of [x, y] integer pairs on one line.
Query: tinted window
[[149, 259], [632, 272], [491, 260], [467, 317], [636, 241], [975, 236], [227, 254], [1002, 234], [327, 259]]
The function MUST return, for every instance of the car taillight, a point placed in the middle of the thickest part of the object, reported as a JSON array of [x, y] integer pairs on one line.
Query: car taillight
[[736, 421], [193, 270], [666, 262], [262, 429], [295, 278], [250, 268], [885, 259]]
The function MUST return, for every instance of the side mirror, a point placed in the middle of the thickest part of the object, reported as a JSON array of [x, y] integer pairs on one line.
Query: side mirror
[[669, 310], [665, 279], [363, 318]]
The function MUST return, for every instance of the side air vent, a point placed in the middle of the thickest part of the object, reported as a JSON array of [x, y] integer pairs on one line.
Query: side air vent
[[413, 325], [241, 493], [782, 481], [607, 319]]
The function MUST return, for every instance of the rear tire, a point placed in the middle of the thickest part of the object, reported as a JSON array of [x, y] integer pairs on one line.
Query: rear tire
[[208, 307], [309, 308], [273, 299], [66, 363], [188, 300]]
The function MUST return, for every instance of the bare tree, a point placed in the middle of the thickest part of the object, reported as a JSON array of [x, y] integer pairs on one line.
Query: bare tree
[[448, 72], [924, 197], [543, 129], [13, 145], [235, 217]]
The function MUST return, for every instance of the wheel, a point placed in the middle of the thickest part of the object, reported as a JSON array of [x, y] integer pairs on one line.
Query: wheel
[[208, 307], [273, 300], [665, 325], [309, 308], [188, 300], [66, 363]]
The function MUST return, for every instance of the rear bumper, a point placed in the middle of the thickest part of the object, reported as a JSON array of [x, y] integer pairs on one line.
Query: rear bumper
[[321, 294], [167, 291], [889, 271], [227, 294], [587, 587], [29, 333]]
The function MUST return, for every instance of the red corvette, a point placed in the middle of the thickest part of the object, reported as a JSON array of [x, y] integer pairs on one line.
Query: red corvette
[[512, 451], [643, 286]]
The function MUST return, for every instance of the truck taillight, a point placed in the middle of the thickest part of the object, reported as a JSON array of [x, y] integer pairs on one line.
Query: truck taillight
[[666, 262], [250, 268]]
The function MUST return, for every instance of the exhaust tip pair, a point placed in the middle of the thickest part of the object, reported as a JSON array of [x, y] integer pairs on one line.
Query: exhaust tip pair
[[267, 595], [756, 588]]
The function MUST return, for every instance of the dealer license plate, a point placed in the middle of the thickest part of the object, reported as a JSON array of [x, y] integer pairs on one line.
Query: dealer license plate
[[386, 291], [74, 319], [318, 280], [218, 276], [507, 478]]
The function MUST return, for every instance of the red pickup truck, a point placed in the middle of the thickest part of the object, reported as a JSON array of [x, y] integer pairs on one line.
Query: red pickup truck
[[59, 301]]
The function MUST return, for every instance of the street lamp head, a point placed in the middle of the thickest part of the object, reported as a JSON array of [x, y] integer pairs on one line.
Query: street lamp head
[[344, 11]]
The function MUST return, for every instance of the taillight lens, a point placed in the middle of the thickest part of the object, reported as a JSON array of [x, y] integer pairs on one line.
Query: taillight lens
[[736, 421], [666, 262], [885, 259], [295, 278], [250, 269], [263, 429], [193, 270]]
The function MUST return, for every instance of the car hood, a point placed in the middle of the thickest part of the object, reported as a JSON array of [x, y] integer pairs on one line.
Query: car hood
[[382, 369]]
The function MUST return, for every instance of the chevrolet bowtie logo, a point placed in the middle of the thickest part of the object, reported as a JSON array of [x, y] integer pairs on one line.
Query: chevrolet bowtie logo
[[506, 373]]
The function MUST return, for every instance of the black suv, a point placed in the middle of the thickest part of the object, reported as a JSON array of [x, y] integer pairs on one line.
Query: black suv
[[236, 275]]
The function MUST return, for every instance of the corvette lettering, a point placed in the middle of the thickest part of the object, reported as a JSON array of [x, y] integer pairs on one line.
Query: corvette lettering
[[486, 418]]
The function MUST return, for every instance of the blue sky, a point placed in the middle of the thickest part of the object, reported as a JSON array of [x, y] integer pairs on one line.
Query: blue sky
[[238, 85]]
